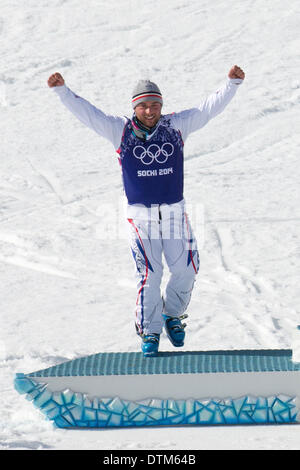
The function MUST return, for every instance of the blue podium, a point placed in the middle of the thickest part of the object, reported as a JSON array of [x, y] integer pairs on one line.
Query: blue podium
[[175, 388]]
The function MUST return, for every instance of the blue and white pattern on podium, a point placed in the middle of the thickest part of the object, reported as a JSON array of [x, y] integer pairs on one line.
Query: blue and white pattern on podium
[[180, 388]]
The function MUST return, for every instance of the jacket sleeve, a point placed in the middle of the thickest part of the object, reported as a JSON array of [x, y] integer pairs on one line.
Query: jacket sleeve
[[191, 120], [109, 127]]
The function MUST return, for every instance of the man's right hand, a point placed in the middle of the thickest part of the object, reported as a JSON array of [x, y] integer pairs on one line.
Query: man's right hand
[[55, 80]]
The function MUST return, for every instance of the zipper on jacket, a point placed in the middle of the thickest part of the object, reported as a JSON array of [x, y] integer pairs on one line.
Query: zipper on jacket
[[159, 214]]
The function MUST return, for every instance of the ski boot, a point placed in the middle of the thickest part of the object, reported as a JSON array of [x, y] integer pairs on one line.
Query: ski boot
[[150, 344], [175, 329]]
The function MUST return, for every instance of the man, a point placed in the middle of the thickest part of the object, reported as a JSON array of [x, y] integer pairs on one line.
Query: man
[[150, 148]]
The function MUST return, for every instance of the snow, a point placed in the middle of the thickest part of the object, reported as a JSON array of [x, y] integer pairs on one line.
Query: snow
[[66, 289]]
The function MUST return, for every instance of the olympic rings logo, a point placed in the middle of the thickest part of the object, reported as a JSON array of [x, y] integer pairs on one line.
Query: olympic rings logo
[[153, 152]]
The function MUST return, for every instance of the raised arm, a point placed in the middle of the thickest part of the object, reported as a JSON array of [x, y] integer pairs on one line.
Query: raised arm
[[191, 120], [109, 127]]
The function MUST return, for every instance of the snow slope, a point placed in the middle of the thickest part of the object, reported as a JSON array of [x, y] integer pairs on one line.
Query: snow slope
[[68, 291]]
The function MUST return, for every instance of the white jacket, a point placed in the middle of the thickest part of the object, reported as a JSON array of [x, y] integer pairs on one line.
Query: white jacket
[[111, 127]]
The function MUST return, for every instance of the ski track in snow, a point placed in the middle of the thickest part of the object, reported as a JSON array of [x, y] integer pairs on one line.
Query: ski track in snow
[[63, 283], [257, 291]]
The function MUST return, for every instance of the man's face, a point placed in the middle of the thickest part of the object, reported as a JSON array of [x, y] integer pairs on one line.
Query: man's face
[[148, 112]]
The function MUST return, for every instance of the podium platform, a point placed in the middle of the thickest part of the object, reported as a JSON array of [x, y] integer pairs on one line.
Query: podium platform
[[175, 388]]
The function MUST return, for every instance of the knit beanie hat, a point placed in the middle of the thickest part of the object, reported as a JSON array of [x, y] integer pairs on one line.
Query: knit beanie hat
[[146, 91]]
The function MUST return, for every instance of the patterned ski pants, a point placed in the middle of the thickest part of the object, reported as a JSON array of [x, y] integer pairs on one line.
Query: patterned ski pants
[[150, 240]]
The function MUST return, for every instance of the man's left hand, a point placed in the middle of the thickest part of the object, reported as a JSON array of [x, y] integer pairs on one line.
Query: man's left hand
[[236, 72]]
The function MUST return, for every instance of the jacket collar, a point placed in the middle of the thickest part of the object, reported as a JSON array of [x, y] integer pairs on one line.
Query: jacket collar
[[140, 130]]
